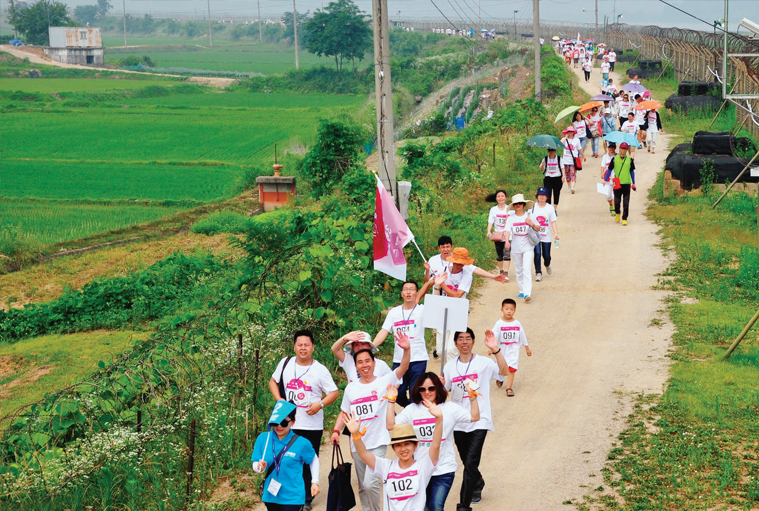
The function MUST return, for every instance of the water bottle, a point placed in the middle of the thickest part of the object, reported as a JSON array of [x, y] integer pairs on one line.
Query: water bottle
[[556, 243]]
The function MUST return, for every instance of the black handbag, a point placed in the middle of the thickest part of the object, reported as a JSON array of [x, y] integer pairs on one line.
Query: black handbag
[[340, 496]]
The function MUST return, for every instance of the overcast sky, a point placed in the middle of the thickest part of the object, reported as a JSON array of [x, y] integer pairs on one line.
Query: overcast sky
[[642, 12]]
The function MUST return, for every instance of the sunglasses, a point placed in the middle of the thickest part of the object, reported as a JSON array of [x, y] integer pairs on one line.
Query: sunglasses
[[427, 389], [285, 423]]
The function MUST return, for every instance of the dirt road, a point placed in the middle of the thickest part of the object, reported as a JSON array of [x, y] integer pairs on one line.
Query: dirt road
[[593, 350], [36, 56]]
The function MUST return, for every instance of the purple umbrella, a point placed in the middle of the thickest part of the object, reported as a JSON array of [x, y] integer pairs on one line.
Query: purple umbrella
[[634, 87], [602, 97]]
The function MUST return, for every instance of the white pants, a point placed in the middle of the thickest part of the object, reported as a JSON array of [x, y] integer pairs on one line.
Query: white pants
[[450, 348], [523, 267], [651, 137], [368, 485]]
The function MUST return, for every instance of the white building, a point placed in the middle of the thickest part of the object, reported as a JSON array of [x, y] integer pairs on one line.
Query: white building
[[76, 45]]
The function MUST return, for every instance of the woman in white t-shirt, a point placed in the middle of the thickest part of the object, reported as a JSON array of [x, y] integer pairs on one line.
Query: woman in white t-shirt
[[405, 479], [521, 249], [594, 123], [553, 179], [611, 152], [496, 231], [572, 150], [630, 126], [430, 388], [653, 127], [586, 67], [581, 128], [544, 215]]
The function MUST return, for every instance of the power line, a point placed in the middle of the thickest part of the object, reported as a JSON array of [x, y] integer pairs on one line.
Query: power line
[[713, 25]]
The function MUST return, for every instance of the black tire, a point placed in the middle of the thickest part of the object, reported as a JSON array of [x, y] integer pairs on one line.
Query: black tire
[[692, 103], [689, 88], [634, 71], [625, 58], [675, 164], [705, 142], [726, 168]]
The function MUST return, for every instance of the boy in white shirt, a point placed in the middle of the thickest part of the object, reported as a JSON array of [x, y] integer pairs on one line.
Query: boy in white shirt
[[510, 335]]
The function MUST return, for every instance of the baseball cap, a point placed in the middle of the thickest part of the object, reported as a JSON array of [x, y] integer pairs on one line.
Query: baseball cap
[[624, 145]]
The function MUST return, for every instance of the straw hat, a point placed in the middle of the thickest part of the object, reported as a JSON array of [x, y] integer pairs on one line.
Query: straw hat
[[402, 433], [460, 255], [520, 198]]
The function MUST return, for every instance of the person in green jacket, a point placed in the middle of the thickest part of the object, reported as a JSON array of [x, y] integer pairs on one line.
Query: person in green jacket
[[622, 166]]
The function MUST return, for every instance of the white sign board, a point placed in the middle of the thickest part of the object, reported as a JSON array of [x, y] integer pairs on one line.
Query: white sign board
[[754, 171], [434, 313]]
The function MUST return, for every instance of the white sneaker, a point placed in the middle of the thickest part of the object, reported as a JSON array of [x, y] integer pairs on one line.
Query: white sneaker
[[549, 270], [538, 277]]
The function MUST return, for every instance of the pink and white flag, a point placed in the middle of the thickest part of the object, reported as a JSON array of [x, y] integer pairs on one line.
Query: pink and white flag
[[391, 234]]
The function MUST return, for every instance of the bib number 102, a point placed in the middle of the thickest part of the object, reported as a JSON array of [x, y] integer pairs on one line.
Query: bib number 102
[[402, 485]]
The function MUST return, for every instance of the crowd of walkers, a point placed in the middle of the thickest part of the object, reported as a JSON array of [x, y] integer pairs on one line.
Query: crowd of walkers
[[424, 417]]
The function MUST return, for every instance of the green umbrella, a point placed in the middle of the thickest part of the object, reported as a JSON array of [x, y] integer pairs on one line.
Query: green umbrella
[[567, 111], [545, 141]]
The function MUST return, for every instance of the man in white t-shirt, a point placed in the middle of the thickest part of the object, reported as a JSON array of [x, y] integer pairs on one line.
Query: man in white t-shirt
[[310, 387], [623, 107], [407, 319], [612, 58], [470, 437], [366, 400]]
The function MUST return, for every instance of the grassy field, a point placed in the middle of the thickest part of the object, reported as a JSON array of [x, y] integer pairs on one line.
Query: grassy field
[[55, 222], [259, 58], [71, 84], [30, 369], [196, 147]]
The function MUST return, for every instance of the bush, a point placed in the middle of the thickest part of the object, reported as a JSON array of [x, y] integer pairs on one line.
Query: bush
[[333, 155], [17, 249], [222, 221], [134, 61]]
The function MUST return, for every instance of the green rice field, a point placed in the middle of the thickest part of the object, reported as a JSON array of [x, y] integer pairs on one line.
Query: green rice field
[[56, 222], [242, 57], [73, 84]]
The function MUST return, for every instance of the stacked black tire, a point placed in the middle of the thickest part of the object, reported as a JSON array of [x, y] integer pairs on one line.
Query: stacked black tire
[[692, 96], [686, 161], [646, 69]]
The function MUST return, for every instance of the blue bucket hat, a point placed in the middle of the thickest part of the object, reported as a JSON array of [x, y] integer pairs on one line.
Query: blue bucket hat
[[281, 410], [542, 191]]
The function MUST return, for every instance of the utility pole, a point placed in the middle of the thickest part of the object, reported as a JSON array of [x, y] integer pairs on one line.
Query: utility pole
[[260, 30], [210, 31], [536, 37], [724, 56], [123, 4], [15, 32], [515, 25], [384, 98], [597, 37], [295, 31]]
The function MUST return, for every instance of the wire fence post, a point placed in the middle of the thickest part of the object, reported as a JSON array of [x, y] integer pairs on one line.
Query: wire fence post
[[191, 460]]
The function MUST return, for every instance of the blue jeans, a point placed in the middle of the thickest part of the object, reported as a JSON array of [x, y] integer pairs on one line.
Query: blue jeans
[[583, 143], [437, 491], [594, 144], [543, 249], [415, 370]]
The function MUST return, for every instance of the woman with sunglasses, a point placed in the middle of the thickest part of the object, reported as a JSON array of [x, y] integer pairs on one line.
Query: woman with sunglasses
[[281, 454], [429, 388]]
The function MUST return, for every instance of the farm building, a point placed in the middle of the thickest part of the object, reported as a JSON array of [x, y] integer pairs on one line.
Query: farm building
[[76, 45]]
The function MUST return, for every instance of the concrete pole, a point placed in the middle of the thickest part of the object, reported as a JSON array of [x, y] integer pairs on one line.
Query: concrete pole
[[15, 32], [295, 31], [260, 30], [384, 98], [724, 56], [124, 6], [597, 37], [536, 38], [210, 31]]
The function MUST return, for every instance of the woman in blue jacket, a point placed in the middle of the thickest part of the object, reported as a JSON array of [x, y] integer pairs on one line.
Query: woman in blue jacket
[[281, 454]]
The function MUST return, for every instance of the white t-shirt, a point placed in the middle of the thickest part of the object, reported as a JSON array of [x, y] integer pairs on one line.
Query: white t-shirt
[[511, 338], [424, 425], [517, 227], [552, 167], [305, 385], [498, 217], [480, 369], [409, 322], [543, 217], [438, 266], [605, 67], [652, 126], [365, 400], [622, 108], [462, 281], [586, 65], [640, 117], [610, 88], [404, 489], [349, 366], [630, 127], [579, 129], [605, 160], [612, 56], [571, 150]]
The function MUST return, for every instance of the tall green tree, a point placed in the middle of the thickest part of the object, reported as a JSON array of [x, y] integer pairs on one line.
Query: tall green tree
[[103, 7], [341, 31], [86, 13], [303, 19], [34, 20]]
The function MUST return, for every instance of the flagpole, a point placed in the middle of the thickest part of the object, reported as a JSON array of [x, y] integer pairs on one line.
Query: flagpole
[[419, 249]]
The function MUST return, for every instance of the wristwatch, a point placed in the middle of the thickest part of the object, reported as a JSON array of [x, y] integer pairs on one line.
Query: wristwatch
[[321, 405]]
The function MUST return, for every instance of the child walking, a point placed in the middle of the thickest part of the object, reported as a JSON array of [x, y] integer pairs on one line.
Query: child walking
[[510, 335]]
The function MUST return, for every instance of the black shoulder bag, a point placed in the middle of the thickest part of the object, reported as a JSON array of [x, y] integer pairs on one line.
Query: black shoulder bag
[[282, 392]]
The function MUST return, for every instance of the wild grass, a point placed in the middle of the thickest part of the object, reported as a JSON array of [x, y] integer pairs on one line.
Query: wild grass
[[71, 84], [32, 368]]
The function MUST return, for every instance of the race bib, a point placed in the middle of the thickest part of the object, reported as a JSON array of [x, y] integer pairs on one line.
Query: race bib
[[424, 428], [299, 393], [509, 334], [520, 229], [500, 220], [458, 388], [365, 408], [402, 485], [405, 327]]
